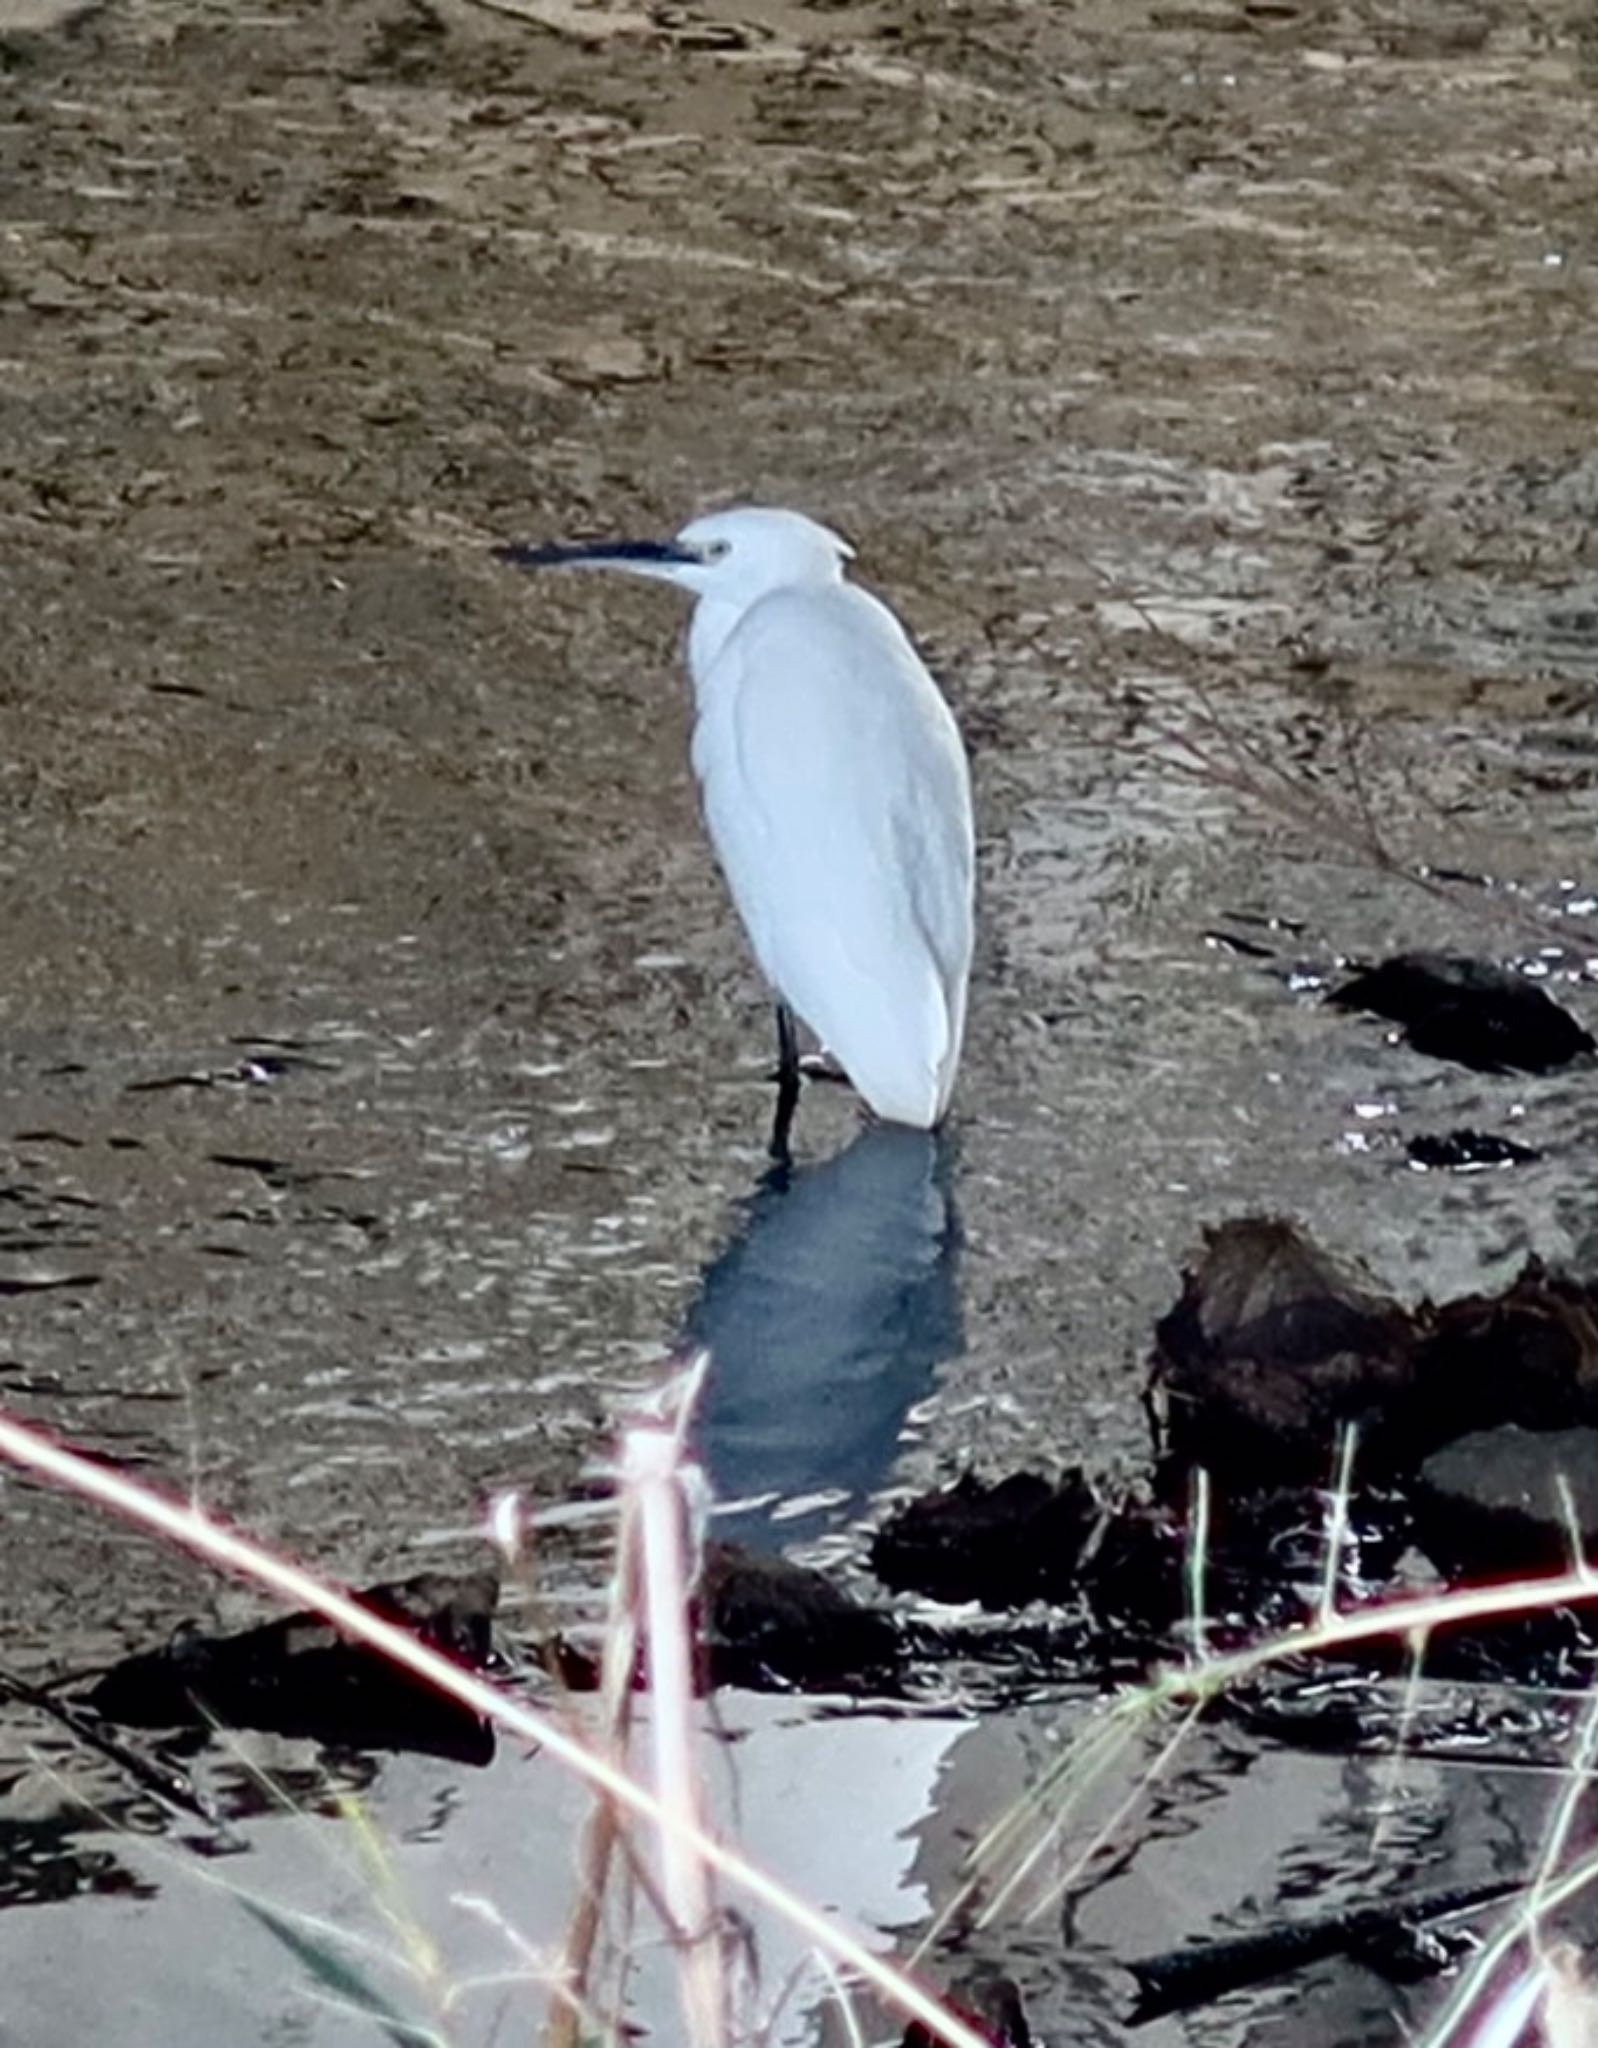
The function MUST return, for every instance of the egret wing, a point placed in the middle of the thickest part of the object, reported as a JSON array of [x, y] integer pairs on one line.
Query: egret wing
[[837, 795]]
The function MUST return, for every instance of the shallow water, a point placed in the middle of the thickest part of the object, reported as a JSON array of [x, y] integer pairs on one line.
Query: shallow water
[[383, 1075], [1220, 1838]]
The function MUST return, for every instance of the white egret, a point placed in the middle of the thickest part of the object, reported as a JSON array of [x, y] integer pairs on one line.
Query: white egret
[[837, 796]]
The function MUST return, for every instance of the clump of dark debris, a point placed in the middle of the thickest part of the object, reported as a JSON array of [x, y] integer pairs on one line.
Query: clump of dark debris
[[299, 1676], [1472, 1424], [1474, 1012]]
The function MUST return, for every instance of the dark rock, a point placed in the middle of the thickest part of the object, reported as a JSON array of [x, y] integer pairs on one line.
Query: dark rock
[[1119, 1569], [300, 1677], [1466, 1151], [1021, 1539], [1496, 1501], [765, 1619], [1472, 1011], [1271, 1350], [1527, 1355], [767, 1624]]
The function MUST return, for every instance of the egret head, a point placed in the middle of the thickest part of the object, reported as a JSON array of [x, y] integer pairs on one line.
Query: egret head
[[729, 557]]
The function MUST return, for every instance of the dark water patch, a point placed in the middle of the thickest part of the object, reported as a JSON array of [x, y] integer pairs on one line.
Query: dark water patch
[[48, 1284], [1235, 942], [1466, 1151], [160, 1083], [277, 1173], [266, 1061]]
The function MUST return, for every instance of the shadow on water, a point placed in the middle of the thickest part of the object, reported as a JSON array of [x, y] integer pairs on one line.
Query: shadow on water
[[826, 1317]]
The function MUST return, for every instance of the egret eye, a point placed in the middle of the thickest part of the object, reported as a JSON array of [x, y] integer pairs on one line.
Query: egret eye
[[717, 550]]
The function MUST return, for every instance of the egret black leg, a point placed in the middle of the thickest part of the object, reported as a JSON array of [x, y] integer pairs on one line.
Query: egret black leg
[[787, 1080]]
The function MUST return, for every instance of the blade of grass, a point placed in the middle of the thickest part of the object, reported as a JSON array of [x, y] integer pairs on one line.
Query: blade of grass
[[340, 1976]]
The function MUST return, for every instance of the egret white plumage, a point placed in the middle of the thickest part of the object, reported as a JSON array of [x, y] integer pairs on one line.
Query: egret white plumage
[[837, 795]]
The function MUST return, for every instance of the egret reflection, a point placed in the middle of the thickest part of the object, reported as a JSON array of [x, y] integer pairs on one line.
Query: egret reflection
[[826, 1317]]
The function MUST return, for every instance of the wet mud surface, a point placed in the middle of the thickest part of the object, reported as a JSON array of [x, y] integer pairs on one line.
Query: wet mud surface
[[383, 1085]]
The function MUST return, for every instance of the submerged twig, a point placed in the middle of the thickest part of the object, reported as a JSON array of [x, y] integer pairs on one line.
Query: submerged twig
[[172, 1787], [1190, 1976]]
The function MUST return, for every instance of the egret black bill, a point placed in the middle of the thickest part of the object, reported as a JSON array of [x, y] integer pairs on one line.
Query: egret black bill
[[600, 554]]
